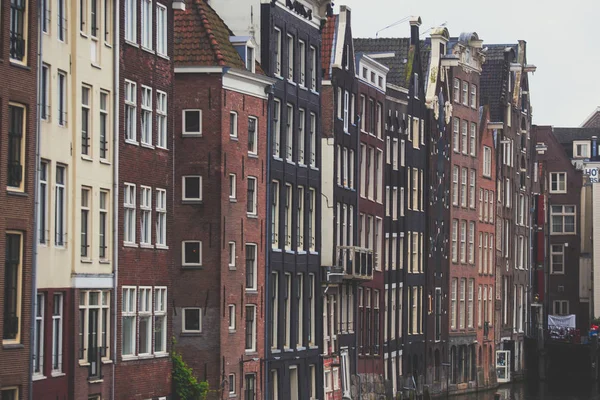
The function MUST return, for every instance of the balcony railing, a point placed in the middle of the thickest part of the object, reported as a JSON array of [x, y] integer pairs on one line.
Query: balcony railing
[[357, 262]]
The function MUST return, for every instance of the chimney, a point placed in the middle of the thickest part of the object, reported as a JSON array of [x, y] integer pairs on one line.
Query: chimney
[[415, 23], [344, 14], [439, 39], [594, 147]]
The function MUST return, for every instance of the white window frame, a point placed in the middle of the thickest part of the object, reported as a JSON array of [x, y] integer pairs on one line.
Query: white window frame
[[146, 11], [254, 210], [563, 214], [130, 111], [233, 124], [183, 184], [161, 218], [131, 21], [184, 130], [129, 204], [558, 182], [57, 332], [183, 327], [160, 317], [129, 310], [183, 260], [145, 215], [161, 30], [161, 119], [557, 250]]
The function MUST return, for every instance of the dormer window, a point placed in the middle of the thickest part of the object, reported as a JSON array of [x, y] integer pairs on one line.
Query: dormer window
[[250, 61], [581, 149]]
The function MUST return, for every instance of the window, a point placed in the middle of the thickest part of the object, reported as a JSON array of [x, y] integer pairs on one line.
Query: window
[[192, 122], [455, 185], [473, 96], [462, 309], [300, 220], [192, 188], [129, 205], [302, 49], [146, 113], [250, 328], [345, 111], [146, 215], [251, 266], [130, 110], [311, 220], [560, 307], [288, 217], [480, 308], [250, 387], [463, 187], [191, 253], [12, 288], [131, 20], [161, 29], [19, 21], [472, 178], [379, 124], [45, 90], [38, 343], [277, 57], [581, 149], [558, 182], [129, 309], [62, 98], [160, 320], [60, 206], [276, 128], [233, 124], [232, 317], [287, 310], [415, 189], [94, 329], [290, 133], [471, 242], [311, 312], [457, 90], [275, 214], [16, 146], [463, 239], [85, 222], [274, 308], [232, 256], [145, 320], [83, 14], [251, 198], [351, 171], [231, 382], [563, 219], [43, 203], [192, 320], [85, 120], [491, 208], [558, 259], [252, 135], [61, 20], [470, 303], [161, 217], [465, 93], [104, 125], [290, 49], [94, 14], [299, 308], [487, 161], [57, 330], [464, 138], [473, 139], [313, 69], [250, 63], [454, 240]]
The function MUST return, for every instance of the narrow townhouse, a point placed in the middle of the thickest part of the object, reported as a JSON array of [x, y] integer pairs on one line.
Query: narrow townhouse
[[405, 229], [145, 197], [289, 48], [437, 65], [371, 105], [505, 89], [470, 254], [19, 21], [341, 257], [74, 324], [565, 180], [220, 209], [486, 283]]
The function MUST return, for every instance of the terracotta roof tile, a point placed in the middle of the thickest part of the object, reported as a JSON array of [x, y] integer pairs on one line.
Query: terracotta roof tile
[[327, 45]]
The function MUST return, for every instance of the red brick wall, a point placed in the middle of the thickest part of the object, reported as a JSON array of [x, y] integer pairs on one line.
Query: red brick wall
[[17, 209]]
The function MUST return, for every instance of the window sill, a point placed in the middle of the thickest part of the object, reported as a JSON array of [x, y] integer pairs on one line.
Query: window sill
[[105, 161], [38, 377], [192, 267], [191, 334], [92, 380], [133, 44], [313, 91], [145, 356], [232, 268], [133, 245], [146, 246], [276, 249], [232, 331], [161, 354], [252, 155], [161, 247], [300, 348], [291, 162], [275, 350], [191, 135], [234, 138], [232, 200], [147, 49], [314, 253], [250, 352], [314, 168], [57, 374], [291, 81], [253, 216], [129, 358], [301, 165], [86, 261], [82, 34], [288, 350], [16, 192], [300, 252], [302, 86], [147, 145], [131, 141], [96, 66], [191, 201], [164, 56], [108, 45], [83, 363], [162, 148], [87, 158], [277, 158], [252, 291]]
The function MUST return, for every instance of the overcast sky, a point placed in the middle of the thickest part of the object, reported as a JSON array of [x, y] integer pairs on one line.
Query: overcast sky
[[560, 35]]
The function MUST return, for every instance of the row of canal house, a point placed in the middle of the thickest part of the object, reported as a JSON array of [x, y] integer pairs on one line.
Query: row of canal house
[[307, 214]]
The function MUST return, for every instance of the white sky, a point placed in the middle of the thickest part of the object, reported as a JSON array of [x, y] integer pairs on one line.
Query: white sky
[[560, 35]]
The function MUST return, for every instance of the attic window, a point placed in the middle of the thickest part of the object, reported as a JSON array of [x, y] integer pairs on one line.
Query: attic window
[[250, 63]]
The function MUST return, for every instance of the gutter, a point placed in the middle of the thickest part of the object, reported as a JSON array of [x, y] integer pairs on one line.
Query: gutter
[[36, 180], [115, 230]]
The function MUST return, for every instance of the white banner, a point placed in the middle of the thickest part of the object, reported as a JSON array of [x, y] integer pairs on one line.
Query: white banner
[[563, 321]]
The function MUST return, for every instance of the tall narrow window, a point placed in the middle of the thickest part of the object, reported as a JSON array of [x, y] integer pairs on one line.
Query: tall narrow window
[[250, 328], [462, 310], [277, 49], [287, 310], [57, 332], [60, 205], [290, 132], [251, 266], [472, 178], [252, 135], [251, 198], [473, 139], [300, 220], [103, 224], [250, 387], [13, 271], [302, 56], [276, 128], [83, 16], [301, 134], [290, 49], [456, 135], [16, 146], [62, 98], [45, 91], [43, 203], [470, 303], [311, 312], [463, 241], [85, 222], [161, 217], [455, 195], [145, 215], [145, 320], [130, 110], [288, 217], [161, 119], [275, 214], [129, 310], [311, 221], [313, 140], [38, 342], [160, 319], [94, 17], [463, 187], [313, 68], [161, 29], [454, 240], [146, 121], [274, 283], [146, 28], [233, 124], [85, 120], [45, 14], [19, 30], [300, 309], [471, 242], [104, 125], [129, 225], [61, 20]]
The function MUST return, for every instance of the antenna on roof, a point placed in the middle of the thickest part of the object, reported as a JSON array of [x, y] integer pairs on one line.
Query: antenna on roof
[[392, 25], [433, 27]]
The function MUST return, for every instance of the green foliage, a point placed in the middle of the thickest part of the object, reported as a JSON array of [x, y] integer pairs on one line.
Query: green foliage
[[187, 386], [596, 321]]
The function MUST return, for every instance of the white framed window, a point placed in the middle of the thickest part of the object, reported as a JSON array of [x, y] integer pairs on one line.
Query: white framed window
[[558, 182], [251, 207], [456, 90], [300, 220], [85, 222], [346, 110], [45, 91], [313, 68], [463, 187], [129, 323], [454, 240], [232, 255], [104, 124], [250, 59], [146, 120], [43, 203], [301, 136], [130, 110], [94, 328], [161, 217], [455, 196], [560, 307], [462, 299], [464, 137], [276, 128], [232, 187], [160, 320], [465, 93], [192, 188], [85, 120], [473, 96], [62, 98], [191, 253], [472, 179], [57, 332], [251, 266], [38, 342], [232, 317], [581, 149], [563, 219], [291, 59], [145, 320], [60, 205], [146, 28], [456, 135], [463, 241], [129, 205], [192, 122], [471, 242], [471, 293], [161, 29], [252, 135], [473, 139], [278, 50], [302, 57], [557, 265], [311, 220], [288, 217], [233, 124], [275, 214], [300, 309], [192, 320], [131, 20], [231, 382], [290, 133], [161, 119], [146, 215]]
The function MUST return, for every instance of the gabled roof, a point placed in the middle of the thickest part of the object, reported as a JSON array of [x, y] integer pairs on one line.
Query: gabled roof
[[328, 37], [397, 63], [567, 135], [593, 120], [202, 38], [494, 74]]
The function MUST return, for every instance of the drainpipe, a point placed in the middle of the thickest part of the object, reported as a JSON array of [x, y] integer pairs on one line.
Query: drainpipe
[[115, 230], [36, 197], [269, 91]]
